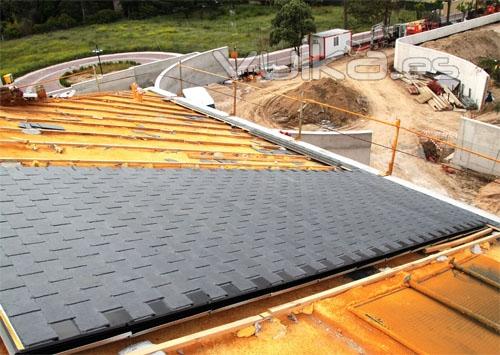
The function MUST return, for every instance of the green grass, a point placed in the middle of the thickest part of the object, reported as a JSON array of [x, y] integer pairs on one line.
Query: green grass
[[247, 29], [107, 67]]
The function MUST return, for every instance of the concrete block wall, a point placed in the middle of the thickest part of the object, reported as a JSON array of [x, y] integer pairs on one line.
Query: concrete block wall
[[409, 56], [214, 61], [479, 137], [144, 75], [354, 145]]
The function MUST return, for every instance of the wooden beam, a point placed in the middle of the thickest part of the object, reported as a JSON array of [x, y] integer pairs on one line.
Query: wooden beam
[[456, 242], [137, 119], [10, 329], [284, 308], [199, 336], [287, 307], [165, 138], [161, 164], [191, 153], [191, 129]]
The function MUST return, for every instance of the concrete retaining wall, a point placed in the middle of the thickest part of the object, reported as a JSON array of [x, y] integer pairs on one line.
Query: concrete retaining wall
[[144, 75], [214, 61], [408, 56], [482, 138], [354, 145]]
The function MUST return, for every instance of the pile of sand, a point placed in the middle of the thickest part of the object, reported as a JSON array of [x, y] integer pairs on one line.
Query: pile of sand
[[488, 197], [472, 45], [285, 112]]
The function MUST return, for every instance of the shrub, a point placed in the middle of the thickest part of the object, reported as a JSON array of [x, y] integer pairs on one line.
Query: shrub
[[492, 67], [104, 16], [63, 21], [12, 30], [17, 29], [66, 21]]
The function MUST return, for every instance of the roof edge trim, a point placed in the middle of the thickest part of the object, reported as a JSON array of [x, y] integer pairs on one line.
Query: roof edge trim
[[271, 135]]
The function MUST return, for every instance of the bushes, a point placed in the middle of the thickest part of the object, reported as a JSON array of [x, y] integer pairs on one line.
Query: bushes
[[11, 30], [17, 29], [492, 67], [63, 21], [104, 16], [66, 21]]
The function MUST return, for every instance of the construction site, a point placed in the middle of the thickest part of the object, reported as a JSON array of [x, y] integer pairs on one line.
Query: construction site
[[345, 200]]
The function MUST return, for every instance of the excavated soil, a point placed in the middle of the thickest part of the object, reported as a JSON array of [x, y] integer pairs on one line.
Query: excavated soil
[[488, 197], [472, 45], [285, 112]]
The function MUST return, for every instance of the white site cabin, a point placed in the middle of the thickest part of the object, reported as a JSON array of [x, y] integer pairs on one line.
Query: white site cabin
[[329, 44]]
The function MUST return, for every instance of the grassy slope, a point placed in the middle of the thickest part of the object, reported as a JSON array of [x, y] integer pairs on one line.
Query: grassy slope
[[248, 30]]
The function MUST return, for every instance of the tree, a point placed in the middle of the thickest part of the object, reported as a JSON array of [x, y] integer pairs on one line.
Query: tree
[[346, 5], [465, 7], [292, 23], [419, 8], [375, 12]]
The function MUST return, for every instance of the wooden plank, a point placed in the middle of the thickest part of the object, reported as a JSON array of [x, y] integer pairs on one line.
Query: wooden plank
[[199, 336], [432, 103], [494, 227], [287, 307], [10, 329], [158, 164], [439, 102], [284, 308], [423, 97], [453, 243], [454, 99]]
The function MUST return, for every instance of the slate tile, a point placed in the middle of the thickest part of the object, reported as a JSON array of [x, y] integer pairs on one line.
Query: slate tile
[[9, 279], [140, 242], [173, 298], [52, 309], [32, 328], [134, 307], [87, 317], [17, 301]]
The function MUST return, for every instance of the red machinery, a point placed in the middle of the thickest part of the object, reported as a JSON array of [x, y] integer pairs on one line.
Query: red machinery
[[420, 26]]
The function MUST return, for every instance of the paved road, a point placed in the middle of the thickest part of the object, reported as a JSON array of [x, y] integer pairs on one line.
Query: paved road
[[49, 76]]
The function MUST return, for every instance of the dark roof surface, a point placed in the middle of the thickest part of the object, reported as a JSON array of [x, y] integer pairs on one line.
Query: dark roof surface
[[86, 250]]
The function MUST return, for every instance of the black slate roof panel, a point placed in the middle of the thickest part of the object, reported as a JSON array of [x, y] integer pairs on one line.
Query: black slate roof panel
[[87, 251]]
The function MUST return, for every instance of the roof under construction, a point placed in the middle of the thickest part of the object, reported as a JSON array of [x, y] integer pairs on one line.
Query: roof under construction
[[92, 246], [115, 130], [445, 303]]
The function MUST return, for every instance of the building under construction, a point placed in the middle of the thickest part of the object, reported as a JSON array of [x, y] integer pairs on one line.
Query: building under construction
[[124, 216]]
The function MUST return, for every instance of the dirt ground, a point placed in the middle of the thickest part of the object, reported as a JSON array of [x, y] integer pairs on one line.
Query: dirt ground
[[286, 112], [471, 45], [384, 99]]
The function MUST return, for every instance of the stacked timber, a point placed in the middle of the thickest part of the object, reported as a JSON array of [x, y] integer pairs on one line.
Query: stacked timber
[[420, 87]]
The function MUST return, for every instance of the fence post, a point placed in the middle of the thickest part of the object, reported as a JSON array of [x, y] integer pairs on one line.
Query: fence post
[[96, 80], [180, 79], [301, 111], [394, 148], [233, 113]]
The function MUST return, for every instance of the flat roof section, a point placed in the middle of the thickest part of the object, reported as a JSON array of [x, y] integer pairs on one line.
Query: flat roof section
[[89, 253], [329, 33]]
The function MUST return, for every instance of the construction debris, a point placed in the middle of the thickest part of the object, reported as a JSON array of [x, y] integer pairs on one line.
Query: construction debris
[[433, 92], [435, 151]]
